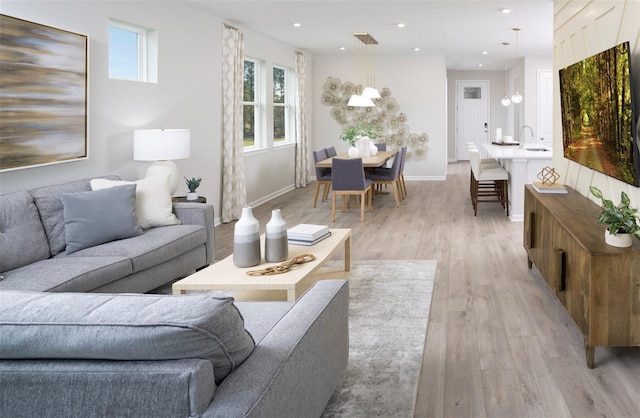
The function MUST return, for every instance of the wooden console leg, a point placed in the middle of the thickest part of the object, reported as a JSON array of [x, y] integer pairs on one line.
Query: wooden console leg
[[590, 352]]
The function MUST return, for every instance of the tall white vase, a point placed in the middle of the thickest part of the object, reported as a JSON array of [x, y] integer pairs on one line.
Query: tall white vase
[[364, 144], [246, 240], [276, 245]]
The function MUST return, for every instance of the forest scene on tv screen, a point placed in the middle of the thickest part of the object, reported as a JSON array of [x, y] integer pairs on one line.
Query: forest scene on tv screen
[[597, 114]]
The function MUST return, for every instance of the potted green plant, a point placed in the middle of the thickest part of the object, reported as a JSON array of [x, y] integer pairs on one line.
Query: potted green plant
[[623, 221], [193, 184]]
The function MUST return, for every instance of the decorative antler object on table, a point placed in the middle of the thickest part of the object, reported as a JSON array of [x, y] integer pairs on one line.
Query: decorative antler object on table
[[283, 267]]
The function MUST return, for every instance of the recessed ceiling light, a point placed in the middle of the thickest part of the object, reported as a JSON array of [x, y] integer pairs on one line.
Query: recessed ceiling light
[[506, 11], [484, 52], [297, 25], [416, 49], [400, 25], [341, 48], [480, 65]]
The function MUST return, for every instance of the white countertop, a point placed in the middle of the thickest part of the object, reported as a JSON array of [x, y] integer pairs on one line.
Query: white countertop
[[515, 152]]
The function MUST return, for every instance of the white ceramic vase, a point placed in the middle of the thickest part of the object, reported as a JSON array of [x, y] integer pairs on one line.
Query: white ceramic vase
[[364, 144], [246, 240], [192, 196], [621, 240], [374, 149], [354, 152], [276, 245]]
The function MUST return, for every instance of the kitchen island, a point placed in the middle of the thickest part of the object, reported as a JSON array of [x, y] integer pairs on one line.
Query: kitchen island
[[523, 165]]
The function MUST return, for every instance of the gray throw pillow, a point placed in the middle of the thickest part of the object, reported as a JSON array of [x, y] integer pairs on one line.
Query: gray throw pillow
[[96, 217], [123, 327]]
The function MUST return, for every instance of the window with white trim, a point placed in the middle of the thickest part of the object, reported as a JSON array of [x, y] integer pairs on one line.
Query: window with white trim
[[281, 105], [133, 52], [251, 103]]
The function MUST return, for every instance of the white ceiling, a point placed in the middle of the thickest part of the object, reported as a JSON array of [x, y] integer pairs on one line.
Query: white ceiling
[[458, 29]]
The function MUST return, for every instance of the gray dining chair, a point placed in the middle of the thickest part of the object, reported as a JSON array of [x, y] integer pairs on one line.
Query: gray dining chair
[[403, 185], [323, 176], [331, 152], [347, 179], [389, 176]]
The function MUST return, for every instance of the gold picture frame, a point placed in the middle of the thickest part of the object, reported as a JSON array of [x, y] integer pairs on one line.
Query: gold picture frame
[[43, 106]]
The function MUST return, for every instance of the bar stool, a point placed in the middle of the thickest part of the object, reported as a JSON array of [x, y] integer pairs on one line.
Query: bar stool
[[491, 183], [484, 162]]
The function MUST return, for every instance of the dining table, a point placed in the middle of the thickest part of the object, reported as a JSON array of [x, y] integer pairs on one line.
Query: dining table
[[372, 161]]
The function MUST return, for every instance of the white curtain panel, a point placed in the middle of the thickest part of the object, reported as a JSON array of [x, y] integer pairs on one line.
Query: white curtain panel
[[234, 192], [302, 148]]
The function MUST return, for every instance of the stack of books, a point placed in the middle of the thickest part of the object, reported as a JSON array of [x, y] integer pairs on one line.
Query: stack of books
[[307, 234]]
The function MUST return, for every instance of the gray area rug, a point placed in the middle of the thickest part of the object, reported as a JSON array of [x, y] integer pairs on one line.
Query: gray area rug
[[388, 316]]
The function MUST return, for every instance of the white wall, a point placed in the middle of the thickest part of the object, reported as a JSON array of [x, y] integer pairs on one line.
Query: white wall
[[580, 31], [187, 95], [418, 82]]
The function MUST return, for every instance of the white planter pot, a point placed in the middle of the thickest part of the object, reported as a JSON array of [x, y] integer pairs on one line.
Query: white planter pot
[[192, 196], [618, 240], [354, 152]]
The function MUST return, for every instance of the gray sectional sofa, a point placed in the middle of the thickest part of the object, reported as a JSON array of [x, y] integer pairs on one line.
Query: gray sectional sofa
[[34, 244], [77, 340], [102, 355]]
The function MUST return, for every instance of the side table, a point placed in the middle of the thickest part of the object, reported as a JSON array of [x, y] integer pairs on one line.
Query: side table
[[200, 199]]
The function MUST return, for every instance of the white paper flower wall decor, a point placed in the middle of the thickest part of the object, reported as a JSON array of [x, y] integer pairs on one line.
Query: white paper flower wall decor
[[385, 118]]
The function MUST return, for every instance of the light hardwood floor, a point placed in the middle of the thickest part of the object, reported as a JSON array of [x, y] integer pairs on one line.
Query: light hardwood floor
[[498, 344]]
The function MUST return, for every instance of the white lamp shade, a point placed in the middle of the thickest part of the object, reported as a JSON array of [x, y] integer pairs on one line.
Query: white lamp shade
[[161, 144], [371, 92], [360, 101]]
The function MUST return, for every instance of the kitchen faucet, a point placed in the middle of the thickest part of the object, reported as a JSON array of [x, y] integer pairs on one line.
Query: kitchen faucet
[[520, 135]]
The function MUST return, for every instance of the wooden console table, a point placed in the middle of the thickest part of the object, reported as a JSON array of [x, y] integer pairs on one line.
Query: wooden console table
[[599, 285]]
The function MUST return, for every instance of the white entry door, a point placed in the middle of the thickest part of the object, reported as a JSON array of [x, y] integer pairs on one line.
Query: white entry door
[[472, 115]]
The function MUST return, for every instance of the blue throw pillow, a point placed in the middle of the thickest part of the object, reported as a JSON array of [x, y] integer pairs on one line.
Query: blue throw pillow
[[96, 217]]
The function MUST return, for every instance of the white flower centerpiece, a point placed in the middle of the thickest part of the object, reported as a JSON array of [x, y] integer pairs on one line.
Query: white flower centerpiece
[[360, 137]]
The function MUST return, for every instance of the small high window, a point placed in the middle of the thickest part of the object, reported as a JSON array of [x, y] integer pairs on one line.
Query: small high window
[[133, 52]]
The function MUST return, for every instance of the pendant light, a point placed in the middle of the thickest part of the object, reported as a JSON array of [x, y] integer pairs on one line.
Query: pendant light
[[505, 100], [517, 97], [363, 60]]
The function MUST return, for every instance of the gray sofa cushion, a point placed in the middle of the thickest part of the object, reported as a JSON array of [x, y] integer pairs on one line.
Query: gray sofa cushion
[[49, 205], [103, 388], [69, 274], [22, 237], [155, 246], [93, 218], [123, 327]]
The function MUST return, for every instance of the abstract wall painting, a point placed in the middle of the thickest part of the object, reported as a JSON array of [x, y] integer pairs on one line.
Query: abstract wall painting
[[43, 95]]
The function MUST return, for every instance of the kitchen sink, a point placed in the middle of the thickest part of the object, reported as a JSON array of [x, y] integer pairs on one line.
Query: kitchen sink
[[539, 149]]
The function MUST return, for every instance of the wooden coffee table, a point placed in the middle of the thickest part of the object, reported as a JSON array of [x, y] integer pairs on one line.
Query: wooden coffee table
[[224, 275]]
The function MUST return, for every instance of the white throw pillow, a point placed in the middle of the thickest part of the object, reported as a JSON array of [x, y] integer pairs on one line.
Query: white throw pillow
[[153, 199]]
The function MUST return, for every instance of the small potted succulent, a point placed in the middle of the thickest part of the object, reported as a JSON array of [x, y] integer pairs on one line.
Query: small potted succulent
[[623, 221], [193, 184]]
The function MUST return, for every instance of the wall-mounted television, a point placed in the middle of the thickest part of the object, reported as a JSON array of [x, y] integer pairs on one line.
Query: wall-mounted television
[[598, 121]]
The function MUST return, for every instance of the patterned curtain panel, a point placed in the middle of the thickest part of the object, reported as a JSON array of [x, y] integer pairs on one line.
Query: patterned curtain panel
[[302, 148], [234, 192]]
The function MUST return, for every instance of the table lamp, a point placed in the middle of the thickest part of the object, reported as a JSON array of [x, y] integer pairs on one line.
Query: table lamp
[[161, 146]]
